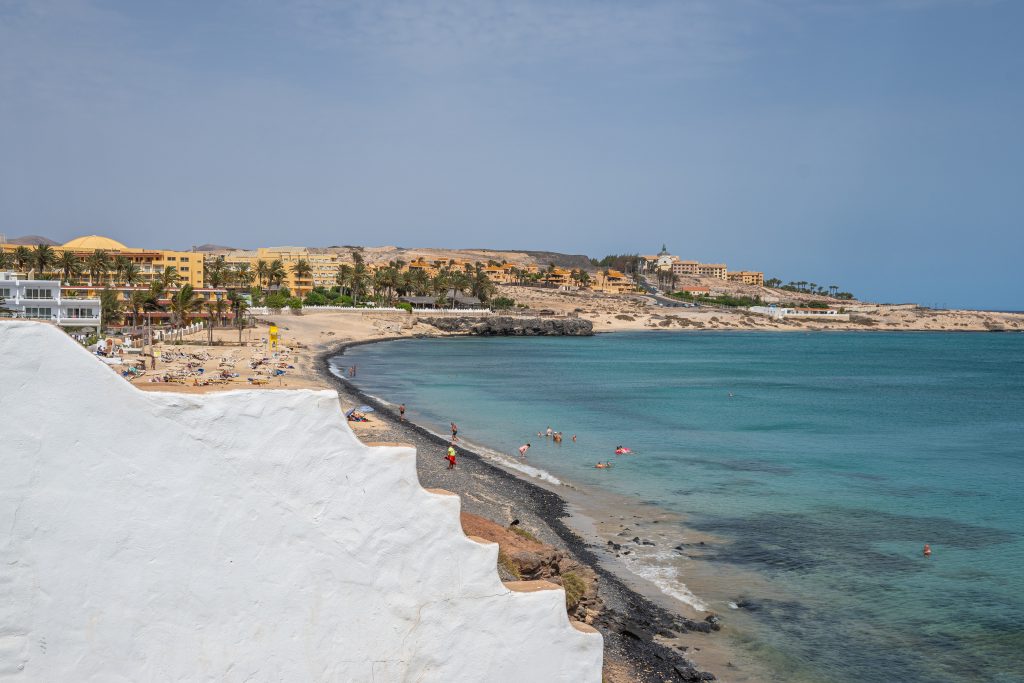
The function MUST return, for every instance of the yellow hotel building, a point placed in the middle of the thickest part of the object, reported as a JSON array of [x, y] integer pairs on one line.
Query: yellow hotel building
[[151, 262]]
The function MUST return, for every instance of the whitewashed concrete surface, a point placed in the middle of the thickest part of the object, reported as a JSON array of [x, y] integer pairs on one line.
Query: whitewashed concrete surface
[[237, 536]]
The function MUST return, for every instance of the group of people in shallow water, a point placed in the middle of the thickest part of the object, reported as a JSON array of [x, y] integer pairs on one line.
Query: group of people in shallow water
[[556, 437], [549, 433]]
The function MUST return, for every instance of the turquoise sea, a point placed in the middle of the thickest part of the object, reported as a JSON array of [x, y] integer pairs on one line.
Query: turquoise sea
[[823, 463]]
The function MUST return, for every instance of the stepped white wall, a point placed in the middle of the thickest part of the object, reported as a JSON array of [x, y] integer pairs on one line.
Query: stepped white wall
[[237, 536]]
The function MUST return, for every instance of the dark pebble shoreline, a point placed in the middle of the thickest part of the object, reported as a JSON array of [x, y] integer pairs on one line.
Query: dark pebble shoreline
[[628, 621]]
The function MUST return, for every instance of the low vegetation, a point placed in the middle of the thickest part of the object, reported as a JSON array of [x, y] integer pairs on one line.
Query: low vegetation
[[575, 589], [506, 563], [721, 300], [525, 534], [804, 287]]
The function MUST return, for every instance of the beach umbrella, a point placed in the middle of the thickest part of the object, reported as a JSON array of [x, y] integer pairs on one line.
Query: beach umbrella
[[365, 409], [349, 412]]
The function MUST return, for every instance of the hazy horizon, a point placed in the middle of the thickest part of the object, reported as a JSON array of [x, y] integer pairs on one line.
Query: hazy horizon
[[874, 145]]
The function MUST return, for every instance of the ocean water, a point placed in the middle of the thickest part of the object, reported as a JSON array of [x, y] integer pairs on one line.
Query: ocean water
[[822, 463]]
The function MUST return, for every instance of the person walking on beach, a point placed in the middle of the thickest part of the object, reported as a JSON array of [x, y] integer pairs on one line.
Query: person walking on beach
[[522, 449], [455, 432], [401, 412], [451, 457]]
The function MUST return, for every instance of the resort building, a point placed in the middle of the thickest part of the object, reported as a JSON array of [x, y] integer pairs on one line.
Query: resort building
[[614, 282], [151, 263], [45, 300], [694, 290], [747, 277], [698, 269], [323, 265], [560, 278]]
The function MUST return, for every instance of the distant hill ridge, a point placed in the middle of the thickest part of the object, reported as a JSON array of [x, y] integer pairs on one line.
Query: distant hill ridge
[[33, 240]]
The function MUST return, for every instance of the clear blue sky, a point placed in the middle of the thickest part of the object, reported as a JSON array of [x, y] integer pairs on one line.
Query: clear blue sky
[[873, 144]]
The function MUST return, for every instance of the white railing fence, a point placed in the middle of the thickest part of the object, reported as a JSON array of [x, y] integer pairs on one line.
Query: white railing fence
[[171, 334]]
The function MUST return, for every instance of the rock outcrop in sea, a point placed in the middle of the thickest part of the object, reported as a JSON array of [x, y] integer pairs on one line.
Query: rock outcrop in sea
[[508, 326]]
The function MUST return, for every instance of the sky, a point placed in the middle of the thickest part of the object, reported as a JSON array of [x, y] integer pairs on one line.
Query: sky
[[872, 144]]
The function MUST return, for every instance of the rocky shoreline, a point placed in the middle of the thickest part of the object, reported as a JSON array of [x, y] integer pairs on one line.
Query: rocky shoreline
[[629, 622], [508, 326]]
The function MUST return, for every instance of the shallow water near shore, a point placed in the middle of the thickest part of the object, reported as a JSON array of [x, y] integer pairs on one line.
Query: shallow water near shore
[[819, 463]]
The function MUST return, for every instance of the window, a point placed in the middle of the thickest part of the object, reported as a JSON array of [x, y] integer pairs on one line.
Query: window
[[5, 293], [183, 268], [172, 258], [81, 313], [38, 313], [184, 259], [34, 293]]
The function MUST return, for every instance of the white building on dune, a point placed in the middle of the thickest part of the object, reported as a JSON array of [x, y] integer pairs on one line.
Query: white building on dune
[[43, 300]]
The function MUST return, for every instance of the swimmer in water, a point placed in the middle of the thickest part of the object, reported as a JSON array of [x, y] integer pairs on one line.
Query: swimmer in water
[[927, 550], [574, 438]]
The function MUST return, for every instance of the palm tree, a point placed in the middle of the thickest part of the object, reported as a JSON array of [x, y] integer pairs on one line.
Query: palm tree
[[344, 278], [419, 282], [130, 273], [169, 278], [110, 307], [98, 264], [584, 278], [239, 306], [137, 302], [69, 266], [302, 271], [22, 257], [243, 275], [358, 274], [6, 259], [184, 303], [276, 272], [43, 258], [215, 313], [262, 273], [120, 263], [216, 271], [482, 287]]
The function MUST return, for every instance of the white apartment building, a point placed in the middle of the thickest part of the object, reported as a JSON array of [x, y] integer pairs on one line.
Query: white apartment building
[[43, 300]]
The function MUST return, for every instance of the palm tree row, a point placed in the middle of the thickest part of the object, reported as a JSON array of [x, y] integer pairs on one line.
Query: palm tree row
[[389, 282], [98, 267]]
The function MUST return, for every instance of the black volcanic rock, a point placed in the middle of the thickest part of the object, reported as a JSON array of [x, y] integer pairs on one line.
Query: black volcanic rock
[[507, 326]]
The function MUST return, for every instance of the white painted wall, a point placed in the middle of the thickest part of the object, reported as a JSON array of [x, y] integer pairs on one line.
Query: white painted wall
[[236, 536]]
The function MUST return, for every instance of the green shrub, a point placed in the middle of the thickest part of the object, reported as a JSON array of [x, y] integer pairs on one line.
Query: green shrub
[[315, 298], [276, 301], [506, 563], [575, 589], [720, 300], [404, 305], [502, 303], [525, 534], [295, 303]]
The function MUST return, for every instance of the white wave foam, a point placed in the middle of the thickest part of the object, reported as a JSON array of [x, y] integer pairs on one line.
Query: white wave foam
[[660, 568], [512, 463], [668, 582]]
